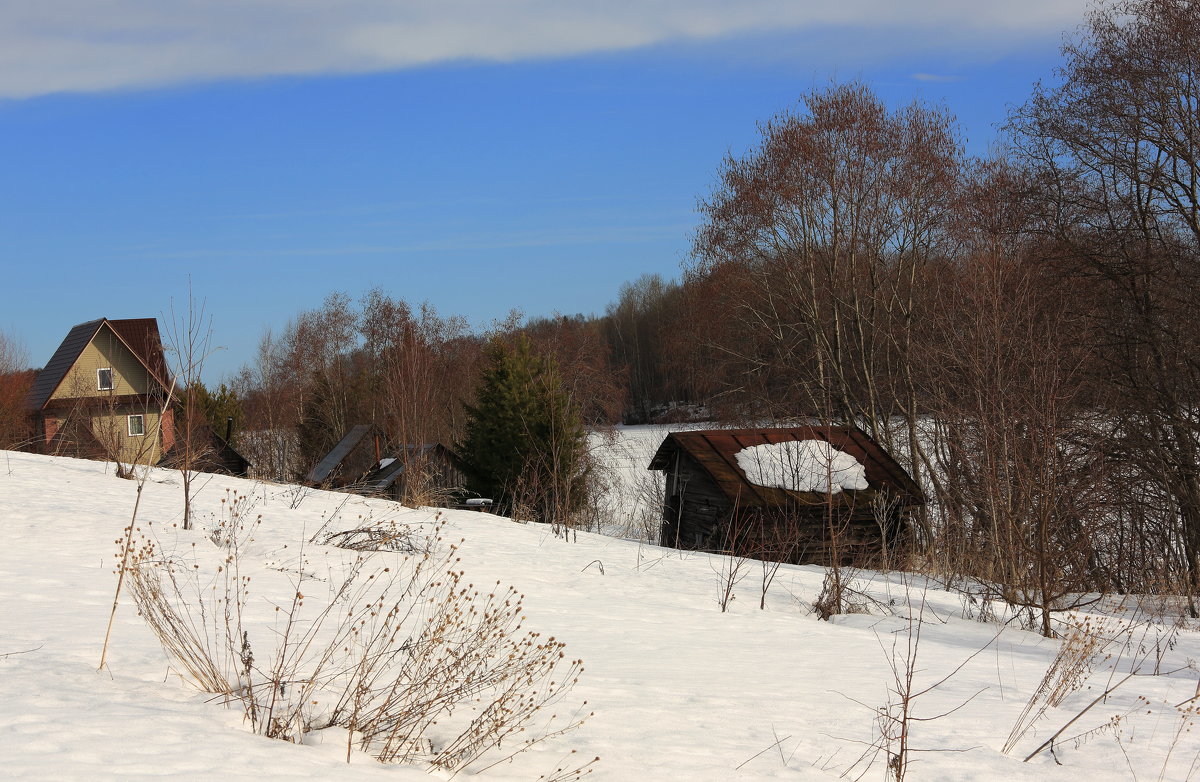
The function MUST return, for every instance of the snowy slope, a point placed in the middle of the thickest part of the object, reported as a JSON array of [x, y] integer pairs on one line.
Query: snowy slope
[[680, 690]]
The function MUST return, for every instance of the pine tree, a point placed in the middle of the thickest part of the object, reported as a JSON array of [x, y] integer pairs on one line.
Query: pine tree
[[525, 445]]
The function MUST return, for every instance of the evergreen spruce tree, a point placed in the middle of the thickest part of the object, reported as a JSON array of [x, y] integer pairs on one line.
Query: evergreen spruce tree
[[524, 445], [217, 406]]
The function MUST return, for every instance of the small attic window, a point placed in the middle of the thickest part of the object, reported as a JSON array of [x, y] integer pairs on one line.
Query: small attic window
[[104, 379]]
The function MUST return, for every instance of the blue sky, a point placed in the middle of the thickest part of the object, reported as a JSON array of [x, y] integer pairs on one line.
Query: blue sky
[[483, 156]]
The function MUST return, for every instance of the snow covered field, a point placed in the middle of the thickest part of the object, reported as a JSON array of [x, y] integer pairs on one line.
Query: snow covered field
[[680, 690]]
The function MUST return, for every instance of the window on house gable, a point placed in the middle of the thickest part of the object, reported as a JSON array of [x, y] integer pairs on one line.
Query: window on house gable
[[104, 379], [137, 426]]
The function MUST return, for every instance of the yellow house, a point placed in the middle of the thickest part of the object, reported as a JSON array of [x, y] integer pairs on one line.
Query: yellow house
[[105, 394]]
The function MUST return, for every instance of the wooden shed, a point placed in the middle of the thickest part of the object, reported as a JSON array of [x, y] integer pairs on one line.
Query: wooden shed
[[355, 455], [422, 473], [364, 463], [205, 450], [799, 494]]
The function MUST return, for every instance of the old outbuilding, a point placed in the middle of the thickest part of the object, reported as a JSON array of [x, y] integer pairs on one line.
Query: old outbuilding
[[357, 453], [364, 463], [200, 447], [805, 494], [421, 474]]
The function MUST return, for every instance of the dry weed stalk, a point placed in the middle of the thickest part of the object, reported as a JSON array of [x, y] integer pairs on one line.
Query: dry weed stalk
[[233, 528], [199, 634], [895, 718], [734, 559], [1138, 648], [387, 535], [125, 552], [1082, 651], [564, 773]]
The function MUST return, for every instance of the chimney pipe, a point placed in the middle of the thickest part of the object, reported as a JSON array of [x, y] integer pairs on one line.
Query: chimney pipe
[[228, 428]]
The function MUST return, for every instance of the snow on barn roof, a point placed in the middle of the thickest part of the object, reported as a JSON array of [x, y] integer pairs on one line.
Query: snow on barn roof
[[716, 452]]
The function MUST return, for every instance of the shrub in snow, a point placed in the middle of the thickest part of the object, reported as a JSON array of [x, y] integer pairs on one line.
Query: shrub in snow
[[415, 664], [802, 465]]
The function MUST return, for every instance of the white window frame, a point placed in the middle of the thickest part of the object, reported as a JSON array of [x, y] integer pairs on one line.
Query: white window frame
[[141, 425], [111, 379]]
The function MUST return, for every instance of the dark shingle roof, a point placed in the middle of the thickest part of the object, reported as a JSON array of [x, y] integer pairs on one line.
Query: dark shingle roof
[[348, 443], [715, 451], [61, 362]]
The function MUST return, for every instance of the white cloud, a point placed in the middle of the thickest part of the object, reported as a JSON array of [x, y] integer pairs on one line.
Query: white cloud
[[87, 45]]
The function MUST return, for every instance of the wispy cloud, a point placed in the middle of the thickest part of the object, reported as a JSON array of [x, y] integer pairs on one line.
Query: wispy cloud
[[559, 237], [936, 77], [89, 45]]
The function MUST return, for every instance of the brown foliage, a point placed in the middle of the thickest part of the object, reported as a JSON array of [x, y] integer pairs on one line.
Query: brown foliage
[[15, 423], [579, 349], [381, 361], [15, 381]]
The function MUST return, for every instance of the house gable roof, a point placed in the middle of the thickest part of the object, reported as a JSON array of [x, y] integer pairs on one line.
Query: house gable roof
[[139, 335], [715, 450]]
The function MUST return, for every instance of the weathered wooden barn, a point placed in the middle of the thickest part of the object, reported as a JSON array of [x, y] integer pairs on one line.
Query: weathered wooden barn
[[417, 473], [802, 494]]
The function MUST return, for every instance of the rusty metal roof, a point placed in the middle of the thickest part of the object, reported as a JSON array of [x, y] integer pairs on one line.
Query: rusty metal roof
[[140, 335], [715, 451]]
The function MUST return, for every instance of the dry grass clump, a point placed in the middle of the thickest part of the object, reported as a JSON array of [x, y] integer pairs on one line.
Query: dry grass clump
[[192, 632], [425, 486], [417, 664], [387, 535]]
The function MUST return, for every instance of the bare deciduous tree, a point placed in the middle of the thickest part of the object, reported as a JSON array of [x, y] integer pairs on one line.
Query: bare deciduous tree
[[823, 235], [1115, 156], [189, 335]]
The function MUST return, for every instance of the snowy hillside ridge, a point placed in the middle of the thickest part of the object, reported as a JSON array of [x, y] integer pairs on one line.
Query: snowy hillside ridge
[[680, 690], [802, 465]]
